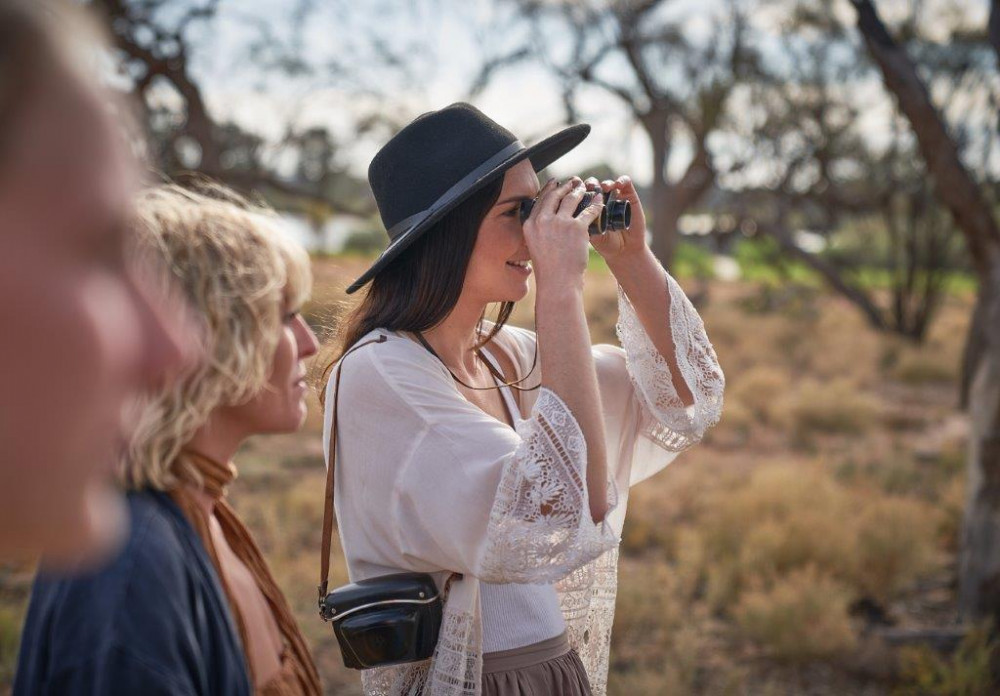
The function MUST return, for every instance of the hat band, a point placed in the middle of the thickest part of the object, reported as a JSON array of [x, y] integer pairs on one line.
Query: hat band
[[455, 191]]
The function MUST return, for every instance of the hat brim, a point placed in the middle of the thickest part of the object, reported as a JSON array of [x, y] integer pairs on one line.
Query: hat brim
[[541, 154]]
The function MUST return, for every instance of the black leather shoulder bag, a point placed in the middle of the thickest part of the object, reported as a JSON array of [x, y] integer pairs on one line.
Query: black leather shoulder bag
[[388, 620]]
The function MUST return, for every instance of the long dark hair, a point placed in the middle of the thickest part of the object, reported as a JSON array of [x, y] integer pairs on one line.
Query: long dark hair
[[422, 286]]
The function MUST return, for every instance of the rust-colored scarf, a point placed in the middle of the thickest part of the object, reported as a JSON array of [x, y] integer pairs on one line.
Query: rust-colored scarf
[[298, 672]]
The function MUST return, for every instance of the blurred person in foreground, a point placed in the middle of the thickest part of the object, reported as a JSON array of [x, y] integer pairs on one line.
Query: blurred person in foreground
[[190, 606], [82, 333], [508, 475]]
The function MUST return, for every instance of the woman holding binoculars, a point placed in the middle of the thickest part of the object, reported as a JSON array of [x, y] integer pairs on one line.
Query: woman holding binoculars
[[496, 459]]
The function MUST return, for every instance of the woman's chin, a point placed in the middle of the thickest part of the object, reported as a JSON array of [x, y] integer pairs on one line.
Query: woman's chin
[[299, 417], [516, 294]]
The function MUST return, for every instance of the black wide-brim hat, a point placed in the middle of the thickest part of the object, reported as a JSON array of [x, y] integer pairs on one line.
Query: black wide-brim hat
[[438, 161]]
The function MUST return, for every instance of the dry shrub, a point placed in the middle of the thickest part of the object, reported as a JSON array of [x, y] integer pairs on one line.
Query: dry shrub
[[728, 328], [782, 489], [952, 512], [300, 511], [758, 391], [896, 543], [899, 474], [655, 644], [924, 672], [645, 531], [839, 344], [837, 406], [925, 475], [648, 682], [689, 562], [792, 516], [647, 611], [723, 579], [800, 617], [788, 515], [774, 548], [925, 364], [734, 428], [939, 357]]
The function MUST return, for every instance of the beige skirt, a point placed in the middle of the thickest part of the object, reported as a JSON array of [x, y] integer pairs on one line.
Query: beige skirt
[[540, 669]]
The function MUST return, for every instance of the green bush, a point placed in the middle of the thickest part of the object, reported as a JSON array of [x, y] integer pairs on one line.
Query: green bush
[[692, 261]]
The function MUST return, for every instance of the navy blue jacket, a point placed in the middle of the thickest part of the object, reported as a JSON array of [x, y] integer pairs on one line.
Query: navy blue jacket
[[154, 621]]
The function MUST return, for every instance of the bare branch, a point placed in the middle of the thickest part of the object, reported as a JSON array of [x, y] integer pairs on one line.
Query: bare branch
[[954, 185]]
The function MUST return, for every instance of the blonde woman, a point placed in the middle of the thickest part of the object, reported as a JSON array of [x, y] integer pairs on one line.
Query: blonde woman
[[494, 456], [190, 606]]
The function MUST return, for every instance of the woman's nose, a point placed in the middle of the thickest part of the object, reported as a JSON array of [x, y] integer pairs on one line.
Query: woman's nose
[[306, 338]]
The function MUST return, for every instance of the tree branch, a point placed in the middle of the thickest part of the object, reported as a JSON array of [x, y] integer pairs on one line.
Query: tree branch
[[858, 297], [953, 182]]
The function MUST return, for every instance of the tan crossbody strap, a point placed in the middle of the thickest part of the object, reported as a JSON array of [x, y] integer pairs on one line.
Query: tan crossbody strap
[[324, 561]]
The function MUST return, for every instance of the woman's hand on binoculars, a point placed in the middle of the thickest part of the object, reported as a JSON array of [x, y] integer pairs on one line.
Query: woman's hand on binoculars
[[615, 244], [558, 241]]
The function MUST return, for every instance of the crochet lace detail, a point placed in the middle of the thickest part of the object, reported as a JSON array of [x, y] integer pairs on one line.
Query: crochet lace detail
[[540, 527], [673, 426], [587, 600]]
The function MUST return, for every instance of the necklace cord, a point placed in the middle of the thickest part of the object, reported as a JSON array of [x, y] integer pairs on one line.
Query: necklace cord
[[489, 366]]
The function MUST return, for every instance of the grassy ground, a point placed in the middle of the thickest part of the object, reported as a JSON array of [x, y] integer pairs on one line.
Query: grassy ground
[[827, 502]]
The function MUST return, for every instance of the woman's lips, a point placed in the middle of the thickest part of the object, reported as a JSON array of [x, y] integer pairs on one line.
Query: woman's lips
[[522, 267]]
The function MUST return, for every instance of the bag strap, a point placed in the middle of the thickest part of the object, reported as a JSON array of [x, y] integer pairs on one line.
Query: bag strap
[[324, 560]]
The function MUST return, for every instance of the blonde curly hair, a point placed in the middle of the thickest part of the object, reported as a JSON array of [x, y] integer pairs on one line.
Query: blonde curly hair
[[240, 275]]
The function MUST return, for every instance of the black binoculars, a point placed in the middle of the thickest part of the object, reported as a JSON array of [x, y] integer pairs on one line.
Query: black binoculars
[[616, 215]]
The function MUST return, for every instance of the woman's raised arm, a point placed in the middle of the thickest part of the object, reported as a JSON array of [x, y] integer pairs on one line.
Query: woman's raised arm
[[558, 243]]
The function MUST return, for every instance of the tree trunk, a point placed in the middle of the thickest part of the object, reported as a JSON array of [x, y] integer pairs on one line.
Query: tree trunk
[[671, 200], [979, 561], [199, 125], [665, 230], [979, 556], [662, 219]]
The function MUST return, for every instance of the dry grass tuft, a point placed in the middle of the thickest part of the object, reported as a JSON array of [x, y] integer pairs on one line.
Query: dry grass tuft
[[788, 517], [966, 673], [834, 407], [656, 642], [895, 545], [759, 390], [802, 616]]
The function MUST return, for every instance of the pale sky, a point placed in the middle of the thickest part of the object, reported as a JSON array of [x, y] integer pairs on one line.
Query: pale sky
[[524, 99]]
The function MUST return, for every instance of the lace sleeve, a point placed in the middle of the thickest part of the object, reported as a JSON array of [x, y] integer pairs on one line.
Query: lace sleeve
[[540, 528], [672, 425]]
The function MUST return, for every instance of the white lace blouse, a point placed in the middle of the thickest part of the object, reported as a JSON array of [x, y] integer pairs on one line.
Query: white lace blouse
[[426, 481]]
